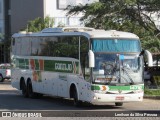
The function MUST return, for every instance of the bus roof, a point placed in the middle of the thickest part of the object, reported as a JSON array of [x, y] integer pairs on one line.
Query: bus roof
[[77, 31]]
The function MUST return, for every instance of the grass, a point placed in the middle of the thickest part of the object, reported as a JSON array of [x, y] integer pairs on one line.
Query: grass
[[152, 92]]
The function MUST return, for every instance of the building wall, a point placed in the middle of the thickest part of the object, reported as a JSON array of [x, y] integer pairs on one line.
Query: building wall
[[59, 14], [1, 18], [156, 19], [56, 9], [23, 11]]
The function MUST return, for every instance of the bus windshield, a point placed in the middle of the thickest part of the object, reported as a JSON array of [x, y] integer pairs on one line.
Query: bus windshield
[[113, 66], [116, 45]]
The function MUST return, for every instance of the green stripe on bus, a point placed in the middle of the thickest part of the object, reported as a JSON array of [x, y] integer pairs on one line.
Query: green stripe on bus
[[115, 88], [94, 87], [36, 64], [22, 63], [58, 66], [50, 65]]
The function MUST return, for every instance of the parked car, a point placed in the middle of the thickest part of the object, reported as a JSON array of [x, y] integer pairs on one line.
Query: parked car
[[5, 71]]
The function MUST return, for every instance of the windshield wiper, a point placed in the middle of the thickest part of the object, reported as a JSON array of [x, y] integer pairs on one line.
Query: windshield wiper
[[125, 71]]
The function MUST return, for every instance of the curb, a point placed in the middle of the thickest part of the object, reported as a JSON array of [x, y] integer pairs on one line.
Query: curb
[[152, 97]]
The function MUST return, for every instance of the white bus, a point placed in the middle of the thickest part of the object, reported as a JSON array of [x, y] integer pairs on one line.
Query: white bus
[[88, 65]]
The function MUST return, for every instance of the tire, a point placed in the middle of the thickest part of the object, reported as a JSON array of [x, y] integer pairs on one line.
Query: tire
[[1, 78], [118, 103], [31, 94], [39, 95], [76, 102], [24, 89]]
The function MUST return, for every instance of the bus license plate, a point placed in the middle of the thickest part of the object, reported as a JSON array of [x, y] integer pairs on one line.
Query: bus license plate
[[120, 98]]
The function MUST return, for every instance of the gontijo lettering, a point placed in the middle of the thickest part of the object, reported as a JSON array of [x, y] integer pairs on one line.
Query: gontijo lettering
[[63, 66]]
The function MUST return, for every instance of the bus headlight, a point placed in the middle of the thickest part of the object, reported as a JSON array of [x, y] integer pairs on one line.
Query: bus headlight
[[138, 91], [99, 91]]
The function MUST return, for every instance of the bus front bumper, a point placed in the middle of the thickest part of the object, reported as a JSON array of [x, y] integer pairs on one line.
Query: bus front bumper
[[104, 98]]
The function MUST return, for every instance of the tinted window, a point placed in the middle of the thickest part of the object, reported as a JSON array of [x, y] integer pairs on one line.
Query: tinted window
[[116, 45]]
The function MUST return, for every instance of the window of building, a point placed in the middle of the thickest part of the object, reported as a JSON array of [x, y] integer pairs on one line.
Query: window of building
[[61, 4], [0, 30], [0, 7]]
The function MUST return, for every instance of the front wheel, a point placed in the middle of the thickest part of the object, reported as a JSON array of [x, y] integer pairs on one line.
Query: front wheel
[[77, 103], [118, 103]]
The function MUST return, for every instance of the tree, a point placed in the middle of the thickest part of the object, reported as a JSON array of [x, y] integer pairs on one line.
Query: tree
[[125, 15], [39, 23]]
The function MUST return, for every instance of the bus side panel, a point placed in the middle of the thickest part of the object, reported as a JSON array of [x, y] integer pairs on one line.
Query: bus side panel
[[15, 78], [85, 91], [48, 84], [83, 87]]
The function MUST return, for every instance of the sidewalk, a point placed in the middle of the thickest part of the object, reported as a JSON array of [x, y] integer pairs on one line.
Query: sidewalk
[[152, 97]]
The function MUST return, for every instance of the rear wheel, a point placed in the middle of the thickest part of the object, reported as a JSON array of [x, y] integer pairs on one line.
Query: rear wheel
[[31, 94], [1, 78], [39, 95], [24, 89], [118, 103]]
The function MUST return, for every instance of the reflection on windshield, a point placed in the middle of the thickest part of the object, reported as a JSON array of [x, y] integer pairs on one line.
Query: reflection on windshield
[[129, 62], [105, 62], [115, 68]]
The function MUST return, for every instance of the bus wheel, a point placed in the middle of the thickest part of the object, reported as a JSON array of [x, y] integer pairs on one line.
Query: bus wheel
[[118, 103], [31, 94], [38, 95], [1, 78], [77, 103], [24, 89]]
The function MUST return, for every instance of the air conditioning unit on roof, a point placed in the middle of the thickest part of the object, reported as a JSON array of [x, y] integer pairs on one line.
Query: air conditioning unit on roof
[[66, 29]]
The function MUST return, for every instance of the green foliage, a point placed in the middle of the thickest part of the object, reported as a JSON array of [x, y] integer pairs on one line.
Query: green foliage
[[39, 23], [126, 15], [152, 92], [60, 24], [1, 37]]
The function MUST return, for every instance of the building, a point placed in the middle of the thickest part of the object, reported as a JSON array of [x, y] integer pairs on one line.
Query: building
[[4, 30], [1, 18], [156, 19], [23, 11], [15, 14], [1, 28]]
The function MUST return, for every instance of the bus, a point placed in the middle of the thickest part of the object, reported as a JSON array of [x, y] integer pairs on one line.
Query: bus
[[80, 63], [152, 73]]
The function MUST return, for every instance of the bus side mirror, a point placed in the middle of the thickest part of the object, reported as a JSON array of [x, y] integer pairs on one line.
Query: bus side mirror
[[91, 59], [149, 58], [142, 53]]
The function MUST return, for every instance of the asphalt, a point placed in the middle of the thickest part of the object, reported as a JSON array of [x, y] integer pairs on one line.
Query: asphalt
[[5, 86]]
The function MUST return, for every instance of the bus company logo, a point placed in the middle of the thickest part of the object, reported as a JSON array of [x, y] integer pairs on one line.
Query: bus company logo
[[120, 91], [63, 66]]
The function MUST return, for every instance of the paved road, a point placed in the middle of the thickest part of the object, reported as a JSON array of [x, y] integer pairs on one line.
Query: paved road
[[12, 100]]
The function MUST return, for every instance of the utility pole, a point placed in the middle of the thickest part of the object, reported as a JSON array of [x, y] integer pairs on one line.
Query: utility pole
[[7, 28]]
